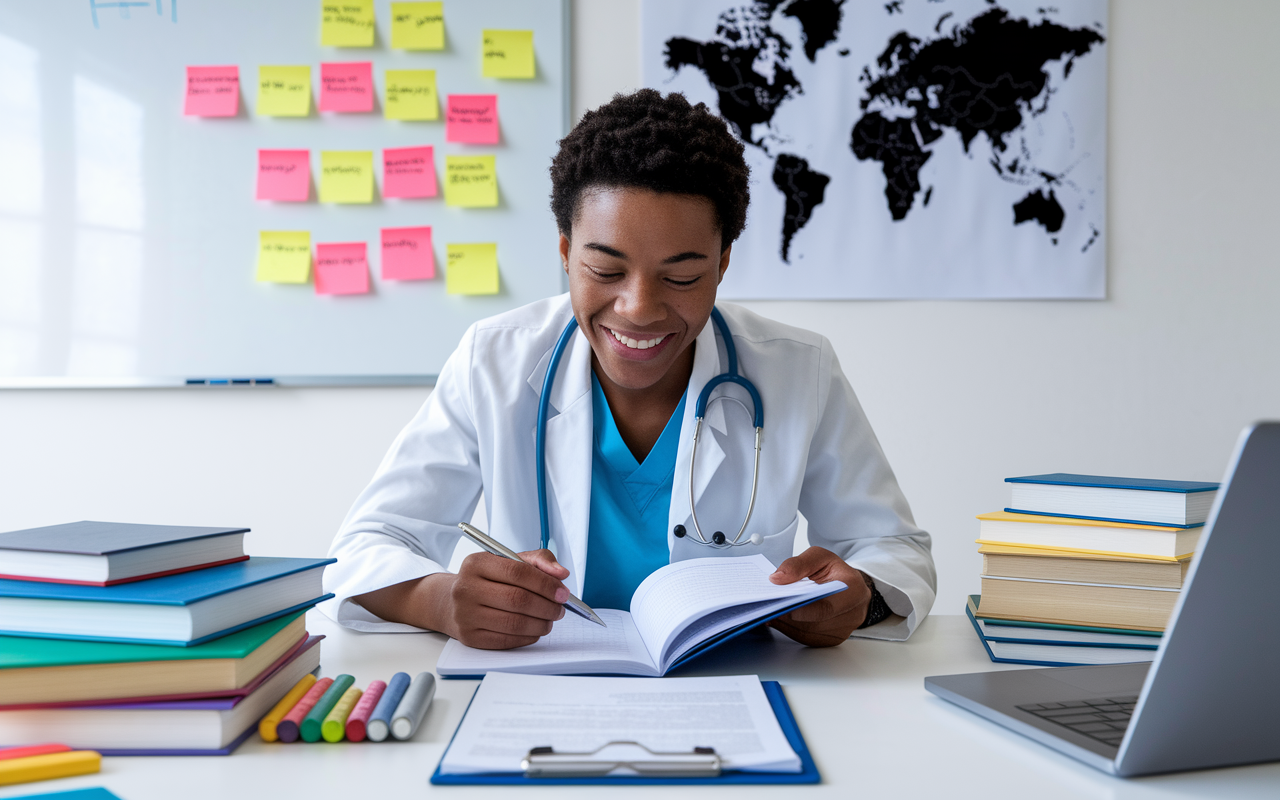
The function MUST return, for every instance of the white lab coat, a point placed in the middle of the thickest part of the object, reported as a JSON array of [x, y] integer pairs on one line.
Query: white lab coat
[[475, 435]]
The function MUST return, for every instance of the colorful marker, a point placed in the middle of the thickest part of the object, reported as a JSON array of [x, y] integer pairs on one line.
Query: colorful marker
[[379, 726], [413, 707], [289, 727], [334, 726], [49, 765], [314, 720], [267, 727], [359, 719]]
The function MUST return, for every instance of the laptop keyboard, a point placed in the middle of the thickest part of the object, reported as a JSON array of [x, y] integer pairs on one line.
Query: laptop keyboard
[[1104, 720]]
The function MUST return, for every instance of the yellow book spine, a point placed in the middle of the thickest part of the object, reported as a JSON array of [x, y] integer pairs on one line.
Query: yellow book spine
[[267, 727], [52, 765], [1136, 556]]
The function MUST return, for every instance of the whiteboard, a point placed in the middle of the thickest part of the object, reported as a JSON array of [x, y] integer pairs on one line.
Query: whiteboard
[[129, 232]]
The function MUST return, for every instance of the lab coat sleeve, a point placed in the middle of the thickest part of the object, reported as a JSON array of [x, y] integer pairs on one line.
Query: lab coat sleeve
[[403, 526], [854, 507]]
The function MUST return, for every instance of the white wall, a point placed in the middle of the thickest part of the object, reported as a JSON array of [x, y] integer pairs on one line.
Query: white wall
[[1156, 381]]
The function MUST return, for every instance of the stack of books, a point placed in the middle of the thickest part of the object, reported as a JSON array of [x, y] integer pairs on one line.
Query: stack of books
[[1083, 569], [148, 639]]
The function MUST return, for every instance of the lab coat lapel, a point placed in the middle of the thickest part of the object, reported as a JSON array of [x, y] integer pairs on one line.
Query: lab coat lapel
[[706, 365], [569, 432]]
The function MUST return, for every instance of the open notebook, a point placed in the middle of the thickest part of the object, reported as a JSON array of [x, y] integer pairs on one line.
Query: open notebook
[[677, 613]]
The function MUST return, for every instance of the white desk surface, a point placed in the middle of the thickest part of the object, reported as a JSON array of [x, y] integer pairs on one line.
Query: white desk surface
[[873, 729]]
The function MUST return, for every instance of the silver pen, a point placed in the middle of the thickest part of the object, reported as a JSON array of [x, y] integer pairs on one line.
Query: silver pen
[[491, 545]]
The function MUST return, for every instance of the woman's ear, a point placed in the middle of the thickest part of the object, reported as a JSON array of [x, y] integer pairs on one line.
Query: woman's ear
[[724, 263], [564, 252]]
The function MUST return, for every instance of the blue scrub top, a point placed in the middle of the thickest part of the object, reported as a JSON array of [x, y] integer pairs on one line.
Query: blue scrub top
[[630, 504]]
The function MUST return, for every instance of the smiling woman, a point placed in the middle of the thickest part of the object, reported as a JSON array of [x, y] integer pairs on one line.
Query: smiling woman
[[649, 193]]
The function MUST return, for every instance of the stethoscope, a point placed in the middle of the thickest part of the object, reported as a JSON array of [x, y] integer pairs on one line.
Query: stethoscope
[[717, 539]]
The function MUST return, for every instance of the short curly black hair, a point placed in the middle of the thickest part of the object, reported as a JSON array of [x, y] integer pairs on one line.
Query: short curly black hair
[[649, 141]]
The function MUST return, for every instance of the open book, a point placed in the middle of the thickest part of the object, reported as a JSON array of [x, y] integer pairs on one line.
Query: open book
[[677, 613]]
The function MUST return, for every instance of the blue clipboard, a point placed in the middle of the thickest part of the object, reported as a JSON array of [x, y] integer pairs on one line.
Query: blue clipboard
[[808, 770]]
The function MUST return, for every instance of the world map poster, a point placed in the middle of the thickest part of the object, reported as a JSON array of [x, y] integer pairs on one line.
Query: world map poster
[[904, 149]]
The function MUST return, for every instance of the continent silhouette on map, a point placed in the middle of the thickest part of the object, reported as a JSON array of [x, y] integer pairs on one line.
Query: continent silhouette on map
[[803, 189], [1045, 210], [978, 80]]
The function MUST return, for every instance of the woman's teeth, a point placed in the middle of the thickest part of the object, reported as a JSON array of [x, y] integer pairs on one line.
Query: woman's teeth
[[638, 344]]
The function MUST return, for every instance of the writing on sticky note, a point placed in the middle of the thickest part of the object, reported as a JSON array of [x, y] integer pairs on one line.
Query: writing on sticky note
[[346, 176], [411, 94], [346, 87], [470, 181], [212, 92], [417, 26], [472, 269], [408, 172], [347, 23], [342, 268], [284, 175], [284, 256], [284, 91], [472, 119], [507, 54], [407, 254]]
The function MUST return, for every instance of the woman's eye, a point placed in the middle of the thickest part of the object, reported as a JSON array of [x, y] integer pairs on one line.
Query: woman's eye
[[677, 282]]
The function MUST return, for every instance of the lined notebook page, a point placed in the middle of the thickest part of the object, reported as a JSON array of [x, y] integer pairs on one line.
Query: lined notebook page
[[573, 640]]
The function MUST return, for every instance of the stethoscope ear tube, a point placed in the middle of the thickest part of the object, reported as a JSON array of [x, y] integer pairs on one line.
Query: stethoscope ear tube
[[540, 438]]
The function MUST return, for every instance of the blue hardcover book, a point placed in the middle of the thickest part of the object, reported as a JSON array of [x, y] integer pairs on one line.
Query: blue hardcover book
[[184, 609], [1039, 649], [1183, 504]]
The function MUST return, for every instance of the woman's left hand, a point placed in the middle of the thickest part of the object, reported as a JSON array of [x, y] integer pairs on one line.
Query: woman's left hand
[[829, 621]]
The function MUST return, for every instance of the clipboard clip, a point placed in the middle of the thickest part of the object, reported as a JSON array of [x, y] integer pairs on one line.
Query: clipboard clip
[[626, 758]]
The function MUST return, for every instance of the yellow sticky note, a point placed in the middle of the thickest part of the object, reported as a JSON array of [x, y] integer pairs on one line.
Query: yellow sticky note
[[470, 181], [417, 26], [284, 256], [472, 269], [346, 176], [346, 23], [411, 94], [284, 91], [508, 54]]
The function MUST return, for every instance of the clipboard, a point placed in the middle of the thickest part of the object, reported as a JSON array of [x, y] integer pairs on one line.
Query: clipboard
[[781, 708]]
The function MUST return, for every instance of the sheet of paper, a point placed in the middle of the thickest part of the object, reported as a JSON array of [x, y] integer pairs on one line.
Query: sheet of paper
[[346, 87], [342, 268], [512, 713], [417, 26], [284, 256], [574, 646], [284, 91], [472, 119], [408, 172], [284, 175], [410, 94], [470, 181], [346, 176], [212, 92], [508, 54], [347, 23], [407, 254], [472, 269]]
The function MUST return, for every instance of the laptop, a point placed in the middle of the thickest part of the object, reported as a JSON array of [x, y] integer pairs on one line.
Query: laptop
[[1211, 697]]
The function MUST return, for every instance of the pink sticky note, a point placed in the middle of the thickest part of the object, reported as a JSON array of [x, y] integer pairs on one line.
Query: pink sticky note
[[472, 119], [407, 254], [346, 87], [342, 268], [212, 92], [284, 175], [408, 172]]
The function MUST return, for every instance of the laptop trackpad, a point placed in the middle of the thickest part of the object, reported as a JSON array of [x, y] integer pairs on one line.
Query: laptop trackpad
[[1111, 679]]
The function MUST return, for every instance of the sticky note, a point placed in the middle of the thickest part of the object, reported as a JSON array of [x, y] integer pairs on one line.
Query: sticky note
[[408, 172], [212, 92], [470, 181], [472, 269], [346, 176], [284, 91], [342, 268], [346, 87], [347, 23], [284, 175], [407, 254], [507, 54], [284, 256], [417, 26], [411, 94], [472, 118]]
